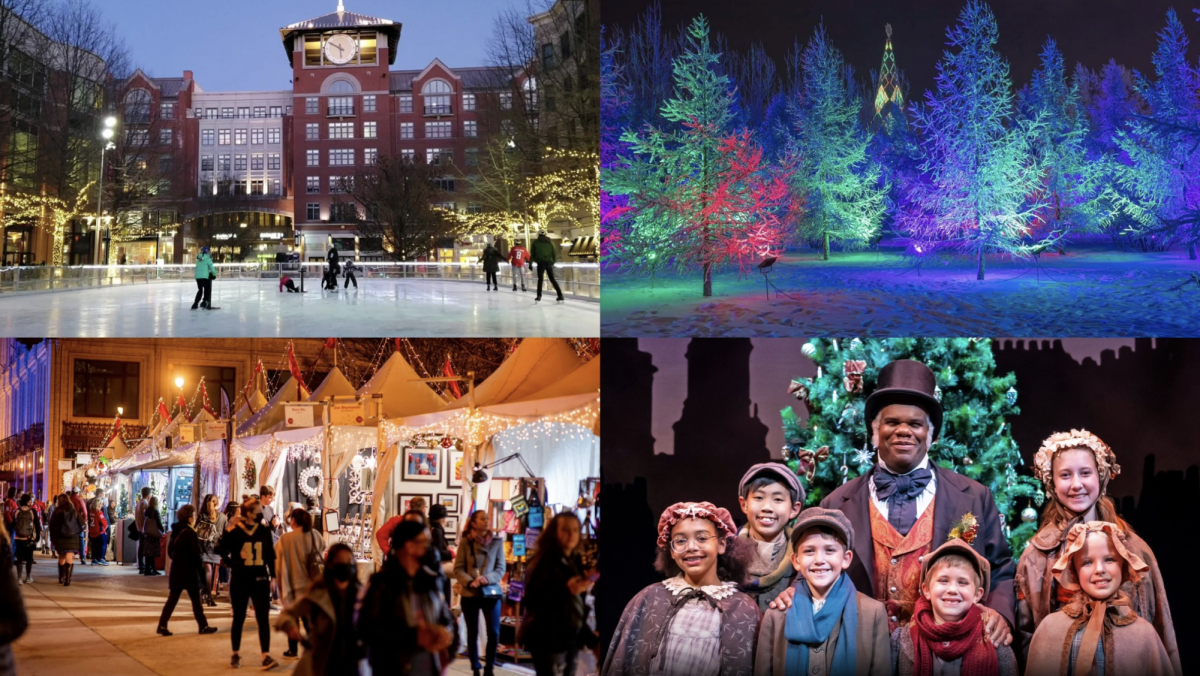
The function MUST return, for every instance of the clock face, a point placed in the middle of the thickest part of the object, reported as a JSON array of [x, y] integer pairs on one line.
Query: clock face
[[340, 49]]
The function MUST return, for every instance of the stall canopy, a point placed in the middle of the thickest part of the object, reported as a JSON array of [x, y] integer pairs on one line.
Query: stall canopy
[[271, 414], [536, 364], [576, 389], [334, 385], [403, 394], [252, 405]]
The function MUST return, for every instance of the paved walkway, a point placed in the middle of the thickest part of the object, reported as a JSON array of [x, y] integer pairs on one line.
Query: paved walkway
[[380, 308], [104, 624]]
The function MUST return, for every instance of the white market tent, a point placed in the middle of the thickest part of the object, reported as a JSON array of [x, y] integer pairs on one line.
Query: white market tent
[[255, 403], [403, 394], [334, 385], [536, 364], [272, 414]]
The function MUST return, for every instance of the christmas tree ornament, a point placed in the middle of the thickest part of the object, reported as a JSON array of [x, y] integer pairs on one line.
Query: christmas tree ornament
[[937, 392], [1011, 396], [799, 389], [807, 461], [855, 344], [965, 528], [967, 460], [1029, 515], [808, 350], [853, 370], [863, 456]]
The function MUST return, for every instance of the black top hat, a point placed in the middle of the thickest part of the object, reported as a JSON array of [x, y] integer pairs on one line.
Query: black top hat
[[906, 381]]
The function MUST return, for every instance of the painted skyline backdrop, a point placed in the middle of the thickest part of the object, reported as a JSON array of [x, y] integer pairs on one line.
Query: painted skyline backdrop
[[1088, 31], [231, 45]]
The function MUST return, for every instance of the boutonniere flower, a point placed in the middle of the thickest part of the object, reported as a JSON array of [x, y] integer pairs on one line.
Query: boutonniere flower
[[965, 528]]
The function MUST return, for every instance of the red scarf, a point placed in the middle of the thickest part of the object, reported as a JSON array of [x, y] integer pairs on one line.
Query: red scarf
[[951, 641]]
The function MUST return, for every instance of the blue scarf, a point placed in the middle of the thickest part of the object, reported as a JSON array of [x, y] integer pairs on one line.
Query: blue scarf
[[804, 630]]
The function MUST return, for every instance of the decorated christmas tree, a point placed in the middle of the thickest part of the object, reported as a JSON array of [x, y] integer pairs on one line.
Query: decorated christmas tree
[[832, 445], [122, 502]]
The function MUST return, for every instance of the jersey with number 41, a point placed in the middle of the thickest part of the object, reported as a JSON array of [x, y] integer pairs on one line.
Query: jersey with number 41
[[249, 551]]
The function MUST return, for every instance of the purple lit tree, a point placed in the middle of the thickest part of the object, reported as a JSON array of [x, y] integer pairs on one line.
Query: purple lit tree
[[835, 176], [977, 155]]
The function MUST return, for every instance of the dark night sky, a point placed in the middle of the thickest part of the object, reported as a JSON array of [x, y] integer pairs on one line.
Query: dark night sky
[[1087, 31]]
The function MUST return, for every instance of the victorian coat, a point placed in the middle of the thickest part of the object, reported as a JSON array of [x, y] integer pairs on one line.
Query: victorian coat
[[1038, 593], [872, 647], [956, 495], [638, 637], [1137, 650]]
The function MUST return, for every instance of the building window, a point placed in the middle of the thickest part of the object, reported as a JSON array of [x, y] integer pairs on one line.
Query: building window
[[474, 208], [506, 100], [437, 97], [208, 137], [468, 102], [137, 106], [206, 163], [408, 154], [239, 137], [139, 137], [212, 113], [313, 185], [224, 137], [342, 157], [244, 112], [256, 162], [223, 162], [256, 137], [335, 187], [164, 164], [370, 129], [273, 136], [406, 103], [439, 156], [472, 157], [368, 104], [314, 211], [312, 106], [437, 130], [470, 130], [276, 188], [341, 130], [227, 113], [341, 105], [239, 162], [313, 158], [276, 111], [370, 155], [167, 111], [273, 162], [445, 184], [257, 187], [548, 56], [260, 111], [102, 386], [312, 132], [406, 130]]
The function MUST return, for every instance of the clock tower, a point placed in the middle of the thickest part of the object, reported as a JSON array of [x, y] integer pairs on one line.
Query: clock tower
[[340, 87]]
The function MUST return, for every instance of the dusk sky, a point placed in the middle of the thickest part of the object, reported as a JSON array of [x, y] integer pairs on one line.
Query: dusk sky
[[234, 45], [1088, 31]]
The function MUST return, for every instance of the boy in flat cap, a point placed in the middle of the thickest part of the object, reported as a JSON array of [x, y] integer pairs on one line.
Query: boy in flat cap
[[770, 496], [830, 628]]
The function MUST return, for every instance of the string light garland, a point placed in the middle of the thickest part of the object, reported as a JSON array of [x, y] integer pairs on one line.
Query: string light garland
[[49, 213]]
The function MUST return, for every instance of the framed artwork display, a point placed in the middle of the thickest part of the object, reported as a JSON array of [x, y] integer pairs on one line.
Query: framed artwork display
[[454, 477], [422, 464], [451, 526], [451, 501], [404, 500]]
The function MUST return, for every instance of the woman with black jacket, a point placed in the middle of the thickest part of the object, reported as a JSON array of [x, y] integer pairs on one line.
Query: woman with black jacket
[[187, 570], [403, 619], [65, 526], [555, 624], [152, 532]]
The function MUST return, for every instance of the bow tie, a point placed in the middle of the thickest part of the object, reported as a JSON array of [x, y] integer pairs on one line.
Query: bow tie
[[901, 492]]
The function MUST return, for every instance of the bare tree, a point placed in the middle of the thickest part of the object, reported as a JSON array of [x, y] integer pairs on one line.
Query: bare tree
[[398, 198], [22, 87]]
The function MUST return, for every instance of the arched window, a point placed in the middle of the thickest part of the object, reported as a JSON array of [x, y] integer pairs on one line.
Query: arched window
[[437, 97], [137, 106], [341, 87]]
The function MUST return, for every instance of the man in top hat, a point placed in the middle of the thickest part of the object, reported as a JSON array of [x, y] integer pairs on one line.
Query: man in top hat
[[908, 505]]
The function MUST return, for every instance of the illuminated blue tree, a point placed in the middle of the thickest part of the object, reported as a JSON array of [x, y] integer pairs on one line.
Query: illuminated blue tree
[[1158, 186], [834, 174], [978, 158]]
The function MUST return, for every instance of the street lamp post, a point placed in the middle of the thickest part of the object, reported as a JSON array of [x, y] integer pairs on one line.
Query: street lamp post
[[107, 133]]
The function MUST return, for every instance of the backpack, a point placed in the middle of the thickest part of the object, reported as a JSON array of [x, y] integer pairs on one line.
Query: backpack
[[23, 526], [69, 527], [207, 532]]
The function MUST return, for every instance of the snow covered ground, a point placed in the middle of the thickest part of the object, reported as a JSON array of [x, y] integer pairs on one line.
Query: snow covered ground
[[380, 308], [1094, 291]]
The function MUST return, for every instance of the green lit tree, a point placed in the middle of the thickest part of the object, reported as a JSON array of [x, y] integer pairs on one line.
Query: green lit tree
[[976, 439], [838, 180]]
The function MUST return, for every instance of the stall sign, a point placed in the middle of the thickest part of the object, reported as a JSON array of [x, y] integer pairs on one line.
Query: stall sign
[[346, 414], [187, 434], [65, 464], [299, 416], [83, 459], [215, 430]]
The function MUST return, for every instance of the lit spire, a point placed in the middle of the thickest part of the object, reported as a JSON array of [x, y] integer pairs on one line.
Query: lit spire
[[341, 7], [889, 81]]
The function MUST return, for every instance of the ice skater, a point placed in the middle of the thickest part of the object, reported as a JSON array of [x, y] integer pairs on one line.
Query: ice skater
[[286, 282], [206, 272], [329, 281], [544, 255], [518, 255], [349, 272], [491, 266]]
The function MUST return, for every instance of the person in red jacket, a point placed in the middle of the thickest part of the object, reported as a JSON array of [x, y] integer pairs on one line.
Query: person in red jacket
[[285, 281], [98, 532], [84, 517], [518, 256]]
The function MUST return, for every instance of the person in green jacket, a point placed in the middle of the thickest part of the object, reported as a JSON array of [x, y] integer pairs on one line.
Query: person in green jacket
[[205, 274], [542, 253]]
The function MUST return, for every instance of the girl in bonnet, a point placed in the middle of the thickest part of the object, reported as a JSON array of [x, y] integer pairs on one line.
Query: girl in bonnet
[[696, 622], [1075, 468], [1097, 631]]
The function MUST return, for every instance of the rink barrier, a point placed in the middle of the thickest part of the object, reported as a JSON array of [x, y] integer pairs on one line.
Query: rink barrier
[[579, 281]]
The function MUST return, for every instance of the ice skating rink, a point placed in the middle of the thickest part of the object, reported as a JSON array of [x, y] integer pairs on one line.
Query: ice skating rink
[[380, 308]]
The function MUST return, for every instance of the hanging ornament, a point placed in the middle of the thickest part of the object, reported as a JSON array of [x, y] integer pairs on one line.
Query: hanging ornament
[[967, 460], [855, 344], [1029, 515], [807, 461], [447, 442], [850, 419], [845, 473], [250, 475], [799, 389], [808, 350], [1011, 396], [853, 371], [937, 392], [863, 456]]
